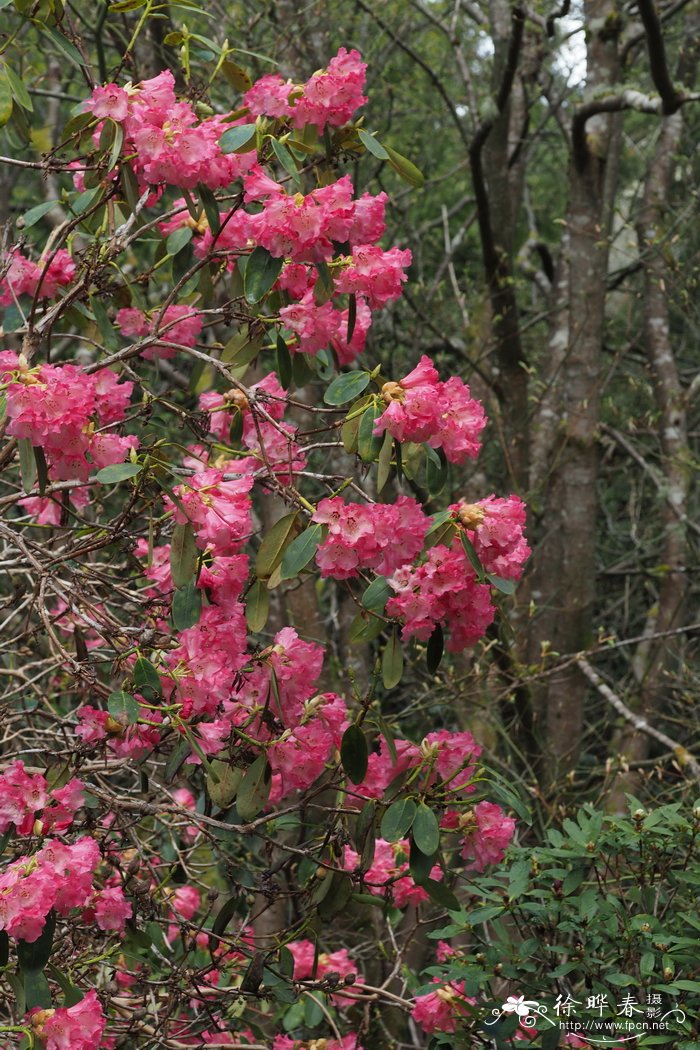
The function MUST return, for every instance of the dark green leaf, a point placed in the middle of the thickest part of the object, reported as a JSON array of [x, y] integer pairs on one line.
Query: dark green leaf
[[300, 551], [123, 707], [426, 830], [365, 627], [147, 679], [27, 463], [262, 270], [377, 595], [346, 387], [36, 990], [34, 957], [384, 461], [224, 915], [6, 101], [392, 661], [438, 892], [419, 863], [211, 207], [435, 470], [33, 216], [42, 470], [183, 554], [371, 144], [107, 331], [187, 606], [71, 994], [471, 554], [177, 240], [504, 586], [257, 606], [337, 897], [284, 362], [369, 445], [239, 139], [436, 647], [354, 753], [176, 761], [19, 91], [117, 472], [352, 317], [224, 788], [287, 161], [274, 543], [255, 789], [68, 49], [396, 822], [4, 948]]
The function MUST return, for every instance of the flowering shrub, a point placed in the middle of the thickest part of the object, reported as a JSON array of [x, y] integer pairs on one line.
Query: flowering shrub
[[199, 792]]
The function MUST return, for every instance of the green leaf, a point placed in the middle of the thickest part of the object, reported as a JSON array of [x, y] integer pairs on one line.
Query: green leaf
[[237, 77], [354, 753], [255, 789], [426, 830], [34, 957], [257, 606], [440, 894], [274, 543], [396, 822], [336, 900], [392, 661], [346, 387], [369, 445], [117, 472], [36, 990], [18, 89], [436, 647], [224, 915], [287, 161], [187, 606], [240, 139], [371, 144], [42, 469], [300, 551], [6, 101], [4, 948], [123, 707], [471, 554], [419, 863], [33, 216], [72, 995], [176, 761], [224, 788], [505, 586], [147, 679], [384, 461], [177, 240], [109, 336], [183, 554], [435, 470], [211, 207], [406, 169], [365, 627], [284, 362], [68, 49], [261, 272], [27, 463], [377, 595]]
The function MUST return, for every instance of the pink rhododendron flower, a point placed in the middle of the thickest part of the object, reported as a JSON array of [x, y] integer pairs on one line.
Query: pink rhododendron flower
[[441, 1010], [376, 274], [78, 1027], [363, 536], [111, 909], [219, 510], [24, 277], [495, 527], [487, 832], [388, 875], [178, 324]]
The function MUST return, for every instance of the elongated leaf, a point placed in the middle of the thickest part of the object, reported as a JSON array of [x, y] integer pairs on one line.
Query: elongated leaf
[[368, 445], [223, 790], [18, 89], [27, 463], [436, 647], [354, 753], [371, 144], [34, 957], [420, 864], [471, 554], [33, 216], [287, 161], [176, 761], [123, 707], [346, 387], [147, 679], [211, 207], [300, 551], [384, 461], [187, 606], [224, 916], [117, 472], [255, 789], [377, 595], [396, 822], [240, 139], [257, 606], [426, 830], [42, 469], [64, 45], [177, 240], [504, 586], [439, 892], [274, 543], [284, 362], [406, 169], [183, 554], [6, 101], [236, 75], [36, 990], [261, 272], [392, 661]]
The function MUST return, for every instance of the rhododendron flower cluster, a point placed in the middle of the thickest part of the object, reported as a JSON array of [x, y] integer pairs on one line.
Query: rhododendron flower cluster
[[330, 97], [218, 509], [486, 833], [495, 527], [25, 277], [78, 1027], [363, 535], [442, 1010], [388, 875], [177, 324], [442, 590], [25, 798], [64, 410], [421, 408]]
